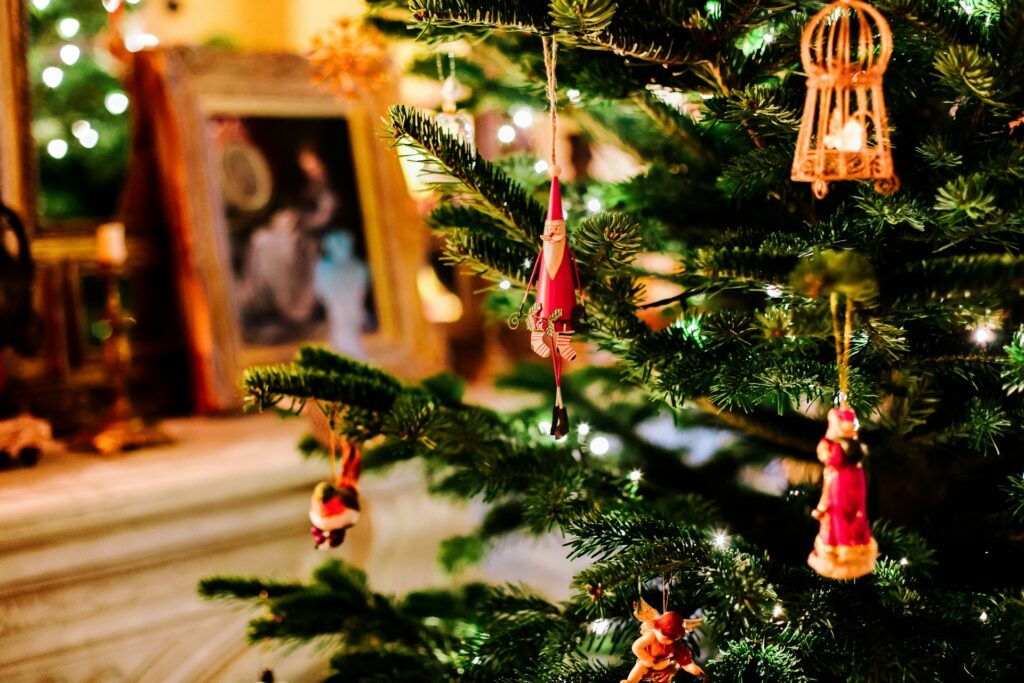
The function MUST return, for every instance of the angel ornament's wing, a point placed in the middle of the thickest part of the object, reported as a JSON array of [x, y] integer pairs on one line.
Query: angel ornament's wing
[[644, 613]]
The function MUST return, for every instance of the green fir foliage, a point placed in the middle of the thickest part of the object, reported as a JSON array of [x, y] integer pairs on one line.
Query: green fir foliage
[[708, 96]]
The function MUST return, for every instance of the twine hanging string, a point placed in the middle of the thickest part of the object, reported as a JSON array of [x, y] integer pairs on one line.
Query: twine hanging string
[[843, 340], [331, 440], [440, 65], [664, 593], [550, 63]]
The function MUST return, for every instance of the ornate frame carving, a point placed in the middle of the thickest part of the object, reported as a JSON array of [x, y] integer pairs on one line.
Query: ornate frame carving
[[17, 159], [181, 88]]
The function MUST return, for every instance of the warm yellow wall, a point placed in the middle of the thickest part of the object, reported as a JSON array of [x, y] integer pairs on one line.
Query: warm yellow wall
[[251, 24], [310, 16]]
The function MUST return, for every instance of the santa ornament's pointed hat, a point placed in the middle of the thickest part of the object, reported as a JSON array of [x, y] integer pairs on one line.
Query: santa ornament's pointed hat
[[555, 198]]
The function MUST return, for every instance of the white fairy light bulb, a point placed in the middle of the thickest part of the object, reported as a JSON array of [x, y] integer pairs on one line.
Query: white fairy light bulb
[[90, 138], [52, 76], [69, 54], [984, 617], [599, 445], [506, 134], [778, 611], [541, 166], [116, 103], [904, 562], [593, 205], [57, 149], [583, 428], [720, 539], [505, 284], [636, 475], [600, 626], [984, 335], [523, 117], [527, 263], [544, 426], [68, 27], [40, 4], [774, 291], [78, 128], [574, 95]]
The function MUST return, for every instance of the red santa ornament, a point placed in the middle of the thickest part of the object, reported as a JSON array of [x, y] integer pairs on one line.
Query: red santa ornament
[[557, 279], [550, 319], [334, 506], [660, 650], [844, 547]]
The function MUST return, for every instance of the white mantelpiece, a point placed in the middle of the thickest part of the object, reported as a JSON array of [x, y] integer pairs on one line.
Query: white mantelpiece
[[100, 557]]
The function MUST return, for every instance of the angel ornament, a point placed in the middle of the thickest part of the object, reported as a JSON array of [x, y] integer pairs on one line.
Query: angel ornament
[[660, 650]]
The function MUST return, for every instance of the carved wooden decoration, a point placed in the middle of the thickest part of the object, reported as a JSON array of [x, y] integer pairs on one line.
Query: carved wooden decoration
[[17, 153], [844, 133], [182, 93]]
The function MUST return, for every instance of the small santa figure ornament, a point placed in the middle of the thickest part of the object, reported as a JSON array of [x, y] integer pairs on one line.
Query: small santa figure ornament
[[557, 279], [844, 547], [550, 319], [334, 506], [660, 650]]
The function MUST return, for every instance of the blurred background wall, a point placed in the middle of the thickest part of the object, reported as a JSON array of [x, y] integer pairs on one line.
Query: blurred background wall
[[277, 25]]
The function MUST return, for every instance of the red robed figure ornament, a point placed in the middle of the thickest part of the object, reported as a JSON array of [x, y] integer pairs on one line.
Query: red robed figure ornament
[[844, 547], [550, 320], [334, 506], [660, 650]]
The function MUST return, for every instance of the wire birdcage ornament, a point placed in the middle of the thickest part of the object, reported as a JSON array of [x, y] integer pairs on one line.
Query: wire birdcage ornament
[[844, 132]]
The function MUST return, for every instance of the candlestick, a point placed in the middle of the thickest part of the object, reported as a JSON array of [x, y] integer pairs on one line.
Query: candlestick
[[121, 429]]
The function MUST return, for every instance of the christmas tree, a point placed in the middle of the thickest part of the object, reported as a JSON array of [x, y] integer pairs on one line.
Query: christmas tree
[[901, 307], [80, 122]]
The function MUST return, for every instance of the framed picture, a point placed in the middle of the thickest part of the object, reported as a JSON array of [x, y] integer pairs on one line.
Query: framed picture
[[289, 217], [17, 167]]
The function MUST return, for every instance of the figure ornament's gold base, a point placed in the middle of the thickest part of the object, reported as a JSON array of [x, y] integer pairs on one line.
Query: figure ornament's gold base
[[843, 561]]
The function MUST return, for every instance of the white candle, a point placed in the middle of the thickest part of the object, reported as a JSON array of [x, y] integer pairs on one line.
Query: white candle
[[111, 249]]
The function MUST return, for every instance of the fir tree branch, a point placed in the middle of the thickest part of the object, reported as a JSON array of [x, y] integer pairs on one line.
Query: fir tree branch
[[757, 429], [487, 187]]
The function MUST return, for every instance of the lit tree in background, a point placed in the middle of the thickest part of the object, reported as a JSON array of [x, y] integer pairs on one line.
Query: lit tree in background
[[709, 95], [81, 123]]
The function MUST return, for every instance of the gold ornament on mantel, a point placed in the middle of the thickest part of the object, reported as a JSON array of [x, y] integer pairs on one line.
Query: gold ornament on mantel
[[844, 132], [350, 58]]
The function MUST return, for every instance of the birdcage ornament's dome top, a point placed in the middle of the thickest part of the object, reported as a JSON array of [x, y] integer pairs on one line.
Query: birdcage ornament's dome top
[[848, 39]]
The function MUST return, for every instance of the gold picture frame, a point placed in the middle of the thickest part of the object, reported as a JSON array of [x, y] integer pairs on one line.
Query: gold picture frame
[[178, 91], [17, 160]]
